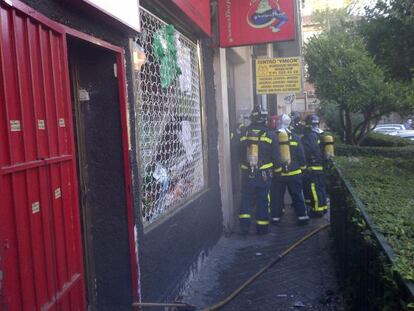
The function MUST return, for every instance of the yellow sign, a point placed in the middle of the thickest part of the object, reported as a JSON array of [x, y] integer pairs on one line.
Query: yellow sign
[[278, 75]]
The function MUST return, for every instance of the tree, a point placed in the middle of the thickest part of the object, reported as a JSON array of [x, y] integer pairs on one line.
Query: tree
[[345, 74], [388, 30]]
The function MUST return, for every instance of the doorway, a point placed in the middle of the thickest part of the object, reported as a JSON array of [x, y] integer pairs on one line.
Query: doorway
[[100, 161]]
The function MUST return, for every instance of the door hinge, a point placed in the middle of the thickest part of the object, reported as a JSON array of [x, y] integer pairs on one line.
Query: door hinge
[[115, 70]]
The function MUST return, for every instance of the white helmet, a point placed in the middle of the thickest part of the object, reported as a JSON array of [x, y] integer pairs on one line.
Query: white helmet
[[284, 121]]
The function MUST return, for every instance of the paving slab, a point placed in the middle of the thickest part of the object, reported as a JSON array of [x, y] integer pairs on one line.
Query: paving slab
[[303, 280]]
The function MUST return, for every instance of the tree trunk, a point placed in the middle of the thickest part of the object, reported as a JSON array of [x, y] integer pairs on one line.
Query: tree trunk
[[348, 128], [363, 132], [341, 119]]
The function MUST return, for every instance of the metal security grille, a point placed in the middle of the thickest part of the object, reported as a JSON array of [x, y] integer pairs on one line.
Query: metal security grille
[[171, 148]]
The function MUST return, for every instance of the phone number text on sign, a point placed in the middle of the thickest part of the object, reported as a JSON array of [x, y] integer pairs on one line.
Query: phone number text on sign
[[278, 75]]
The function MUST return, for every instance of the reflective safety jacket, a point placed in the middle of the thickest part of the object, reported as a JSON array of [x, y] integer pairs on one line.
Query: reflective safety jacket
[[297, 156], [313, 147], [268, 147], [297, 129]]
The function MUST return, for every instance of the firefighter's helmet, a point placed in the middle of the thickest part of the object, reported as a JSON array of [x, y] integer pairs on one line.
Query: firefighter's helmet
[[258, 115], [312, 120]]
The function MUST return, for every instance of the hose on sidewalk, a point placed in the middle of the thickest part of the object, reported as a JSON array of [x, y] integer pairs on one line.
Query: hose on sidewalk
[[217, 306]]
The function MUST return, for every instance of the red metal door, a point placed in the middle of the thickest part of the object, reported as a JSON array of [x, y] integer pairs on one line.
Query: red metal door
[[41, 253]]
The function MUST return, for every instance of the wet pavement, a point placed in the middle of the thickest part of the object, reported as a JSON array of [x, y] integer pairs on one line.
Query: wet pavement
[[303, 280]]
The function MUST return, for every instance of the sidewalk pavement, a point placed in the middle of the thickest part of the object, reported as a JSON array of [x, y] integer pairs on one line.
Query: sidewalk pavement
[[303, 280]]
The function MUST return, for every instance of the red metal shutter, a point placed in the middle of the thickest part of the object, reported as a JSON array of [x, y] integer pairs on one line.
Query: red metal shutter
[[41, 251]]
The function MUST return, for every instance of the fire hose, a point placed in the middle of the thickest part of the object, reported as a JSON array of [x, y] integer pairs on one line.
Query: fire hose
[[217, 306]]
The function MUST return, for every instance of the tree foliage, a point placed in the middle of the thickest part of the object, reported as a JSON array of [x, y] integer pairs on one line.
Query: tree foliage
[[388, 30], [328, 111], [344, 73]]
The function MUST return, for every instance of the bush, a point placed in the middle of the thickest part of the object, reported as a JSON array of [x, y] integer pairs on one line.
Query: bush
[[385, 187], [388, 152], [356, 246], [382, 140]]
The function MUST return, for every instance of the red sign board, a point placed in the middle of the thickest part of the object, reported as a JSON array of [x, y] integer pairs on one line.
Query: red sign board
[[249, 22], [198, 11]]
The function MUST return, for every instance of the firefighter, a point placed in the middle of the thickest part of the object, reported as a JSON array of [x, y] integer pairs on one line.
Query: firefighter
[[237, 133], [315, 189], [296, 126], [288, 174], [258, 151]]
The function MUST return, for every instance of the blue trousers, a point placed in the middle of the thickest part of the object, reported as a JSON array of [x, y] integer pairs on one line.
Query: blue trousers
[[295, 187], [315, 193], [254, 192]]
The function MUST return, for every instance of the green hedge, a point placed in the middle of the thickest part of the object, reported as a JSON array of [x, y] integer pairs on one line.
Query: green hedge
[[364, 271], [389, 152], [385, 187], [382, 140]]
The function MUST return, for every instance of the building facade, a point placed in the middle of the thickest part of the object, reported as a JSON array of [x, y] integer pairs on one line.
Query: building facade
[[109, 169], [179, 188]]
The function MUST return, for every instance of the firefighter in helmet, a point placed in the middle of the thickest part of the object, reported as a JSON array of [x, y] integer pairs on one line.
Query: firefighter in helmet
[[315, 188], [288, 173], [296, 126], [258, 150]]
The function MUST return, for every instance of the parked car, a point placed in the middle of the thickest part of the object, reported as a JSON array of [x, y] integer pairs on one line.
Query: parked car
[[388, 128], [409, 134]]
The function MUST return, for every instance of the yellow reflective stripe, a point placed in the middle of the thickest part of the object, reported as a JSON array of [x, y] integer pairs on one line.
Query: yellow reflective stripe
[[243, 216], [252, 138], [266, 139], [323, 208], [294, 143], [315, 197], [303, 167], [268, 201], [265, 166], [278, 170], [262, 222], [293, 173], [316, 168], [231, 135]]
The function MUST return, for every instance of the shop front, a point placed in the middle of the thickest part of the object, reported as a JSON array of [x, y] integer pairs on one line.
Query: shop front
[[180, 207]]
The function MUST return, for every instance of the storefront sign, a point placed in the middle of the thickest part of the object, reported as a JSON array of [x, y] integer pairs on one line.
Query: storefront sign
[[125, 11], [198, 11], [278, 75], [249, 22]]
